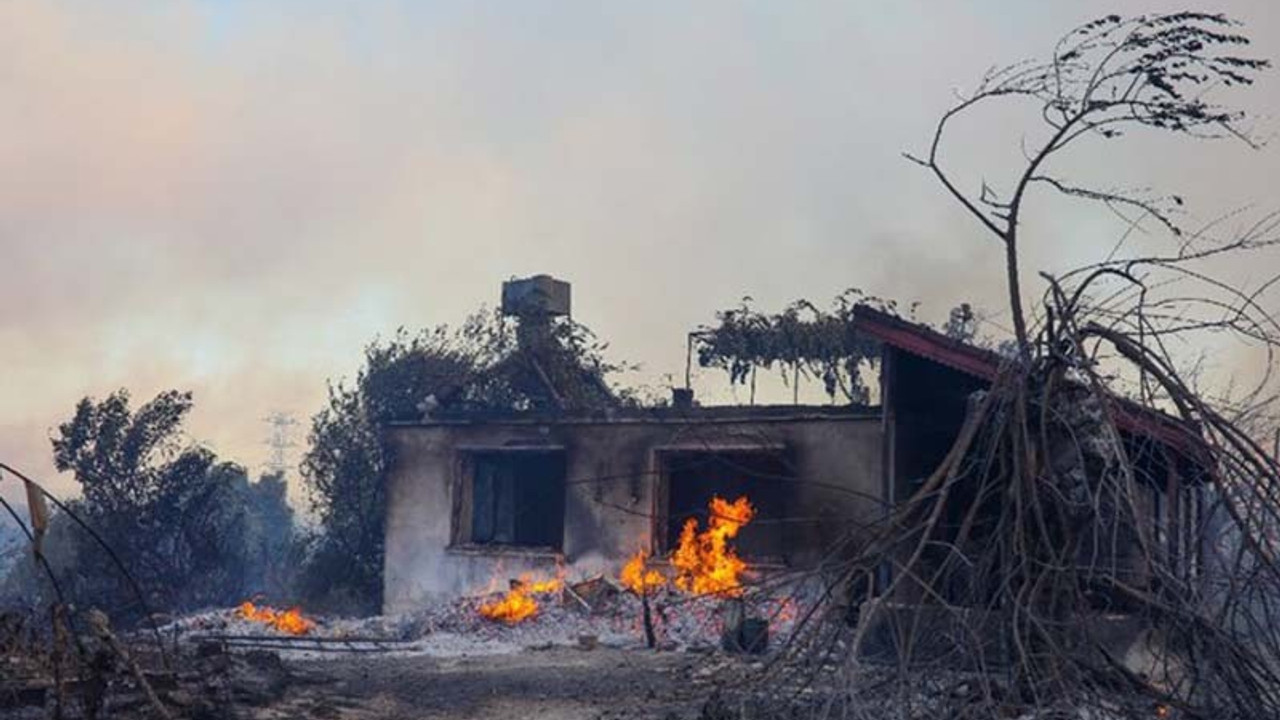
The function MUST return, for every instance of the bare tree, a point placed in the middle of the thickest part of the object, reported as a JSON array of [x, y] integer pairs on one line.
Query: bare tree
[[1103, 79], [1012, 557]]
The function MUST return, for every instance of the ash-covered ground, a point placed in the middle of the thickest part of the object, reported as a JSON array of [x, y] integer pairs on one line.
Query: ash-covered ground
[[559, 682], [578, 657], [608, 618]]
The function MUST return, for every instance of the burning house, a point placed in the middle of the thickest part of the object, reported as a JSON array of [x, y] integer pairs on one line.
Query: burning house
[[478, 496]]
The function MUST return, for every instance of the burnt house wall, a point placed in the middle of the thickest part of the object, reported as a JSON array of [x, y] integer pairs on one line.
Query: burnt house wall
[[616, 493]]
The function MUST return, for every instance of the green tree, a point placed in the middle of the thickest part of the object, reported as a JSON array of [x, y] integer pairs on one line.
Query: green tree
[[187, 526], [482, 365], [272, 569]]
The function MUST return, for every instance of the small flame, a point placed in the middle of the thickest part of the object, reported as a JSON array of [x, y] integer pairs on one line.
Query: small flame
[[638, 578], [519, 604], [786, 610], [289, 621], [704, 562]]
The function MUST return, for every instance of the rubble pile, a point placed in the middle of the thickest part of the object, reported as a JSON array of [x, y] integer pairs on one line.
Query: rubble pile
[[595, 611], [697, 601]]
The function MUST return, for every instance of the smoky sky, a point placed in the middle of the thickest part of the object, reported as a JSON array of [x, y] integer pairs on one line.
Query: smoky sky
[[234, 197]]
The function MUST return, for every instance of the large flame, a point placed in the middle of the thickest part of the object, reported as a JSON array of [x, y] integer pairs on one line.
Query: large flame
[[704, 562], [638, 577], [519, 604], [289, 621]]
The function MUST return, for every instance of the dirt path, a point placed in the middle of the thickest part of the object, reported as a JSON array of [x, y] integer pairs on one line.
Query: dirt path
[[560, 683]]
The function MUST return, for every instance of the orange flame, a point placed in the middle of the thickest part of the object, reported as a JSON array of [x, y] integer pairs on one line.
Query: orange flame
[[638, 578], [289, 621], [518, 604], [704, 562]]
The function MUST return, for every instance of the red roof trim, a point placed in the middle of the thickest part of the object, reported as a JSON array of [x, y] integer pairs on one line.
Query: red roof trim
[[984, 364], [940, 349]]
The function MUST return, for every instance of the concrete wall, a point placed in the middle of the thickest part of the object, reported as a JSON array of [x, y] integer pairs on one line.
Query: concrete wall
[[613, 486]]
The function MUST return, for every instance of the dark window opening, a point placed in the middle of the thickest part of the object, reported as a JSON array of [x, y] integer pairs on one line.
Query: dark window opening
[[694, 478], [930, 404], [517, 498]]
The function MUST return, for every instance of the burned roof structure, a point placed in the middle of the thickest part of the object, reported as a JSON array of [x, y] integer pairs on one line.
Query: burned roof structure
[[983, 364], [929, 387], [581, 481]]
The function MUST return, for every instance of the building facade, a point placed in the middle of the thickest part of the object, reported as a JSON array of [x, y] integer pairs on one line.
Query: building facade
[[474, 499]]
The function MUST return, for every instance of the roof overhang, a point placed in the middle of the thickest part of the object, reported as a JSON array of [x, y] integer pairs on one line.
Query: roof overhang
[[984, 364]]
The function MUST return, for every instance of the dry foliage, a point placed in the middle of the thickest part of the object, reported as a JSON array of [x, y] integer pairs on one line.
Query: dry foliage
[[1058, 562]]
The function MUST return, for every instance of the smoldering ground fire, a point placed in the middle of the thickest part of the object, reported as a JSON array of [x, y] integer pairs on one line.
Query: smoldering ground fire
[[638, 577], [520, 602], [704, 563], [290, 621]]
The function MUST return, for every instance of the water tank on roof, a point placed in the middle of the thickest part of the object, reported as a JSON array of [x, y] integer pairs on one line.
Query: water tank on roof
[[540, 295]]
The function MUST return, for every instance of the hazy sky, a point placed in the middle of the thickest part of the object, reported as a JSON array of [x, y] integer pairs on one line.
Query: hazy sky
[[233, 197]]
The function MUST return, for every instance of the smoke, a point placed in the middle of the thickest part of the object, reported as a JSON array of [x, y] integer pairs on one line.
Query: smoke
[[234, 198]]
